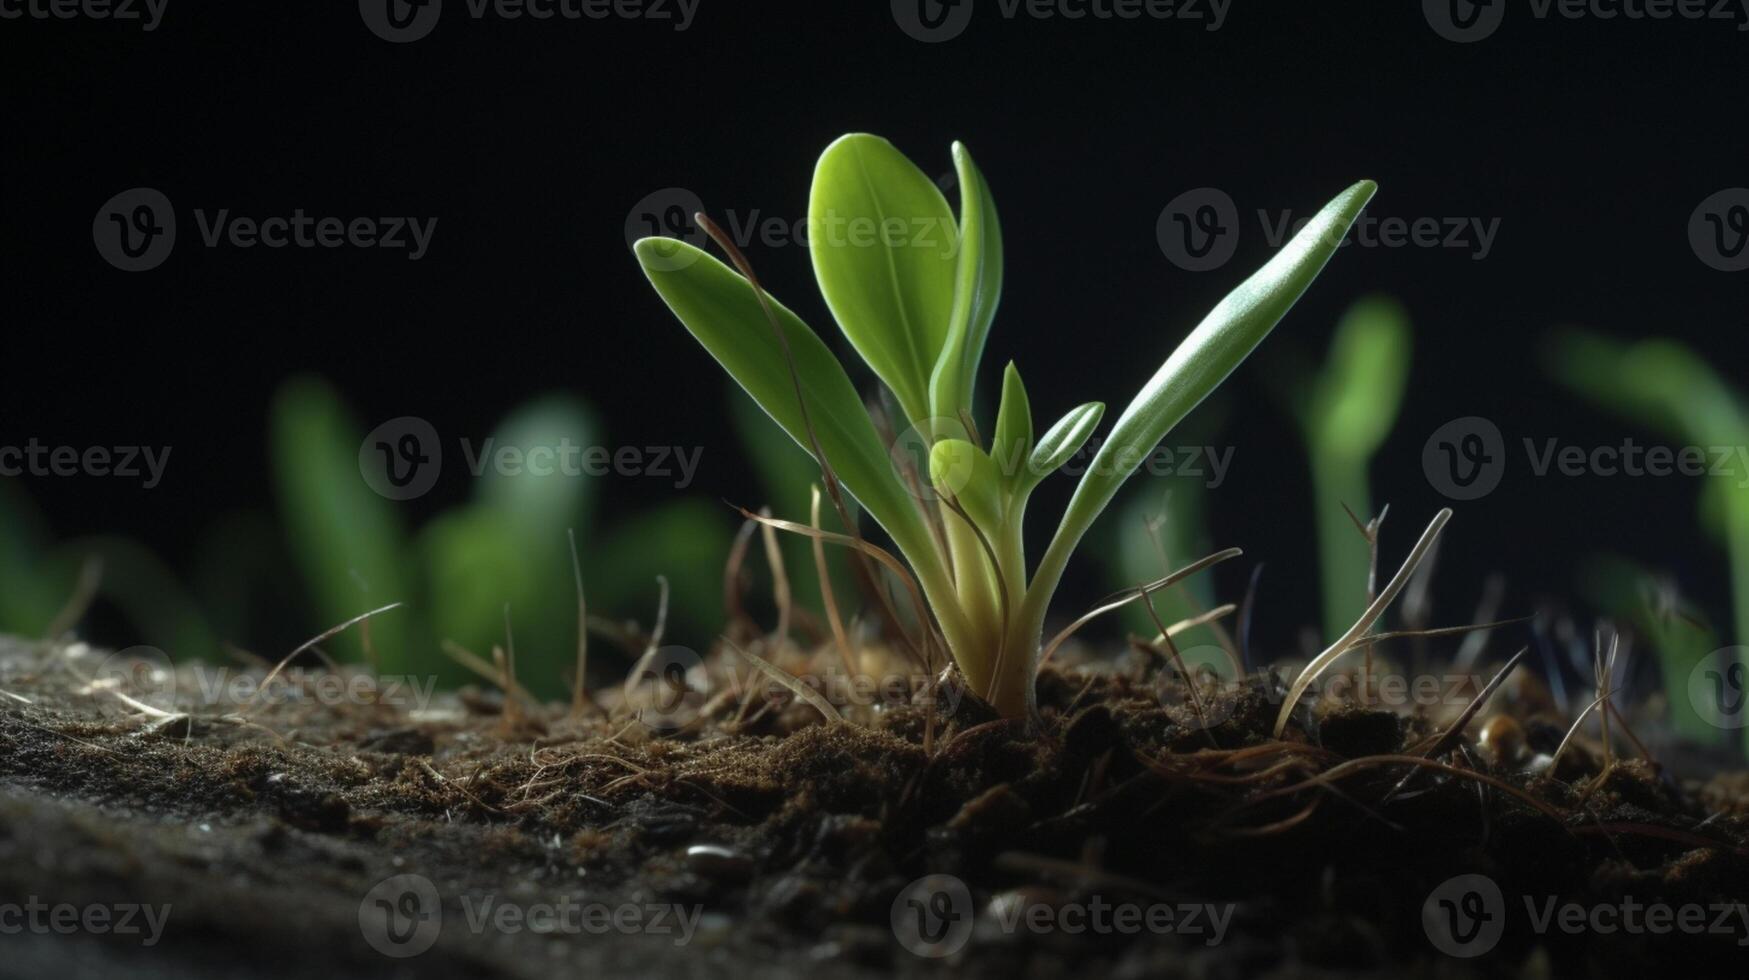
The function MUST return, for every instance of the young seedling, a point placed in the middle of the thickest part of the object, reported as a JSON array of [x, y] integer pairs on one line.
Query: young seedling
[[1347, 410], [1669, 388], [915, 292]]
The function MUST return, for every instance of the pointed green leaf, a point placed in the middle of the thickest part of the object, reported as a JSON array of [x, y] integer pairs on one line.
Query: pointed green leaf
[[1212, 351], [884, 243], [720, 309], [977, 289], [1011, 445], [1062, 441]]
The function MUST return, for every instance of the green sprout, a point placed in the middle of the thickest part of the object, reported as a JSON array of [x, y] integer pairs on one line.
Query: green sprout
[[1670, 389], [1347, 411], [915, 292]]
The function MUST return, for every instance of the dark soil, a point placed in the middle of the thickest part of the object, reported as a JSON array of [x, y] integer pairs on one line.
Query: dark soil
[[265, 832]]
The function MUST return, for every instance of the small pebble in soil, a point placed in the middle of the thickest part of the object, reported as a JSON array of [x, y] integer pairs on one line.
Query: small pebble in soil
[[719, 862]]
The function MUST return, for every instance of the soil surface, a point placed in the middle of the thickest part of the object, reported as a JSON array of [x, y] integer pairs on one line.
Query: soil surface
[[537, 841]]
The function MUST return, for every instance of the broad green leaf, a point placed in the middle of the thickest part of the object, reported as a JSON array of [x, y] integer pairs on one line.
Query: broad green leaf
[[1011, 445], [720, 309], [977, 289], [1361, 390], [1062, 441], [885, 246], [1212, 351], [345, 538]]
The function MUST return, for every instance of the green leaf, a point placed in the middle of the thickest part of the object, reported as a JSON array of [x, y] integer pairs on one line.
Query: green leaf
[[1212, 351], [977, 290], [1361, 390], [966, 474], [1062, 441], [720, 309], [345, 538], [884, 247], [1011, 444]]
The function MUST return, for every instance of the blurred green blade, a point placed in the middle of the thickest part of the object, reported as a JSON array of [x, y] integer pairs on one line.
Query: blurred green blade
[[345, 538], [1361, 391], [547, 488], [884, 243]]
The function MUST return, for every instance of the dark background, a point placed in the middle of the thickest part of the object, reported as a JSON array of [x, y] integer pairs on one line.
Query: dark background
[[1592, 141]]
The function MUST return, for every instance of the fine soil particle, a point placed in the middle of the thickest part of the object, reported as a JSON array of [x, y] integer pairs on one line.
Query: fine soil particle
[[792, 841]]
